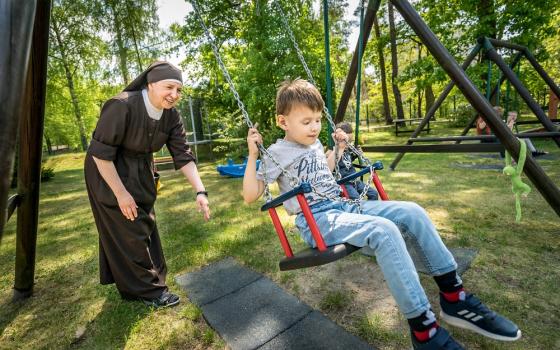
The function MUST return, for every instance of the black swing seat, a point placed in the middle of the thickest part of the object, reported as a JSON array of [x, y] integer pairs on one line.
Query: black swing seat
[[313, 257]]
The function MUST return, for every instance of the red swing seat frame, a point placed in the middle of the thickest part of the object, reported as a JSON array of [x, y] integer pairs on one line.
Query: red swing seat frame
[[323, 254]]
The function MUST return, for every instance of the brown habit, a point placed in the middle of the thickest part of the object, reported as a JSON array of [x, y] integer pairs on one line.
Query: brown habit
[[130, 252]]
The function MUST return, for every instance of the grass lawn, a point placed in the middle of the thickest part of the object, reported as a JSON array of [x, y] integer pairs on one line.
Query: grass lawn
[[517, 270]]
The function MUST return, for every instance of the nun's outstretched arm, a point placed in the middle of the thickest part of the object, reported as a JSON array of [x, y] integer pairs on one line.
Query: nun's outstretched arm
[[191, 173]]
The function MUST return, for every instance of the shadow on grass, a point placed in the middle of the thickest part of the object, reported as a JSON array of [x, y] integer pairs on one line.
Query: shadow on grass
[[113, 325], [10, 311]]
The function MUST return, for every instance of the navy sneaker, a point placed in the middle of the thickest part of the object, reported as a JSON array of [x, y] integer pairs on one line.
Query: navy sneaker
[[440, 341], [166, 299], [470, 313]]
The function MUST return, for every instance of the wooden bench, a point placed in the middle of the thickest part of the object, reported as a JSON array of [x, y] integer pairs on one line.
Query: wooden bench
[[163, 163], [402, 122]]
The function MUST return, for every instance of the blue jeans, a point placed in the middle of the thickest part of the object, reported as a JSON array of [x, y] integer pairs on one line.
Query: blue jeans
[[388, 228], [355, 190]]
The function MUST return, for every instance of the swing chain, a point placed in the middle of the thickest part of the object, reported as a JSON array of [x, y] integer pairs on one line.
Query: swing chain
[[293, 180], [222, 65], [351, 147], [311, 80], [263, 151]]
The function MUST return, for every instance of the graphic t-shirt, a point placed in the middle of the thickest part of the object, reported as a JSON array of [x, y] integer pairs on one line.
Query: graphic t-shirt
[[307, 163]]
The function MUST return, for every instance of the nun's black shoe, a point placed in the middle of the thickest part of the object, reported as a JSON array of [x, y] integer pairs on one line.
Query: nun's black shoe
[[166, 299]]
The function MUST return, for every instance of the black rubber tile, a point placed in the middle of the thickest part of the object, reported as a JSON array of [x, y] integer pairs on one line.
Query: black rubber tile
[[316, 332], [216, 280], [463, 257], [254, 314]]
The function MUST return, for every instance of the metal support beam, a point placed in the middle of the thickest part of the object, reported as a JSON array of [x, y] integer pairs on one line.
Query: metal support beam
[[512, 64], [441, 148], [436, 105], [506, 44], [359, 83], [328, 81], [16, 26], [547, 79], [372, 7], [492, 54], [529, 135], [444, 94], [30, 150], [522, 49], [535, 173]]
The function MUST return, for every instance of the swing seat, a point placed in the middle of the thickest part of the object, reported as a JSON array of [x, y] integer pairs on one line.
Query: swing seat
[[322, 254], [234, 170], [313, 257]]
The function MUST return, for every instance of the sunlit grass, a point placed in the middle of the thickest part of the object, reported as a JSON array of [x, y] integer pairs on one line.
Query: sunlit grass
[[517, 270]]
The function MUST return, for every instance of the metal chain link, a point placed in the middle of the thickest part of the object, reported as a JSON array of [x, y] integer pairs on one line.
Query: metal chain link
[[293, 181], [310, 78]]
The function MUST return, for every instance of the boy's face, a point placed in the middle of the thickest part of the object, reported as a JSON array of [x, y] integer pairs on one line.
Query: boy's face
[[301, 125]]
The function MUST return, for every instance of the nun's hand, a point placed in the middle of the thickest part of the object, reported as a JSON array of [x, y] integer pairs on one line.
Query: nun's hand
[[128, 206], [203, 206]]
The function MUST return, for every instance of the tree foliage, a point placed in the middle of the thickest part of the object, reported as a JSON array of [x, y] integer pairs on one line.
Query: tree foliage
[[257, 51], [98, 46]]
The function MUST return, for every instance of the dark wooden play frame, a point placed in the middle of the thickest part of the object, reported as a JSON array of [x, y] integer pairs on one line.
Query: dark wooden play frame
[[488, 47], [24, 28]]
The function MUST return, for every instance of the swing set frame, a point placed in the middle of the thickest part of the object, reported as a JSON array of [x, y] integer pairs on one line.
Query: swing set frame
[[23, 53]]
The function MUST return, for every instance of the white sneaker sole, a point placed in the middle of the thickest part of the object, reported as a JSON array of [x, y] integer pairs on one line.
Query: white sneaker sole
[[457, 322]]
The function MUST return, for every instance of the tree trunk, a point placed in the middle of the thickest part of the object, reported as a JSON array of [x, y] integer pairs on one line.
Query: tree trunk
[[419, 110], [49, 144], [394, 62], [386, 108], [138, 59], [430, 99], [70, 82], [487, 19], [419, 106], [122, 51]]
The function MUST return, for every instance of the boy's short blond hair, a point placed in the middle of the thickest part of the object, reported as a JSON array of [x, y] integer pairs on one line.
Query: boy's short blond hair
[[293, 92]]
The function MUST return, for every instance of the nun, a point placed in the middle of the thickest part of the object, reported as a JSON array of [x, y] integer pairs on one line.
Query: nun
[[119, 174]]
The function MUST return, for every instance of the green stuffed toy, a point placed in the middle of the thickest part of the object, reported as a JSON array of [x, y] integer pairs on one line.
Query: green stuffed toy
[[517, 186]]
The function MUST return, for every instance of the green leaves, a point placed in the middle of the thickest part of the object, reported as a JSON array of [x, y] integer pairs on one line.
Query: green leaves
[[95, 47], [258, 53]]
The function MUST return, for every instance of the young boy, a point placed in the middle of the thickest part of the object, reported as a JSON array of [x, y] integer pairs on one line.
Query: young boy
[[384, 226], [345, 168]]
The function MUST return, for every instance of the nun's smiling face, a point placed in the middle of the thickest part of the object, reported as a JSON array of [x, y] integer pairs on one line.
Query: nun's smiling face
[[164, 94]]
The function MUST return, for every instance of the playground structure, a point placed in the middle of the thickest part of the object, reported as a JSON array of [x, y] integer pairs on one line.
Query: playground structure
[[233, 170], [509, 141], [486, 46], [23, 57]]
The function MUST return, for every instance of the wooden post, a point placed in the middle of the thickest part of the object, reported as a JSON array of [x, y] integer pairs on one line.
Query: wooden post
[[535, 173], [30, 150], [373, 6], [16, 25], [521, 89], [553, 105]]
